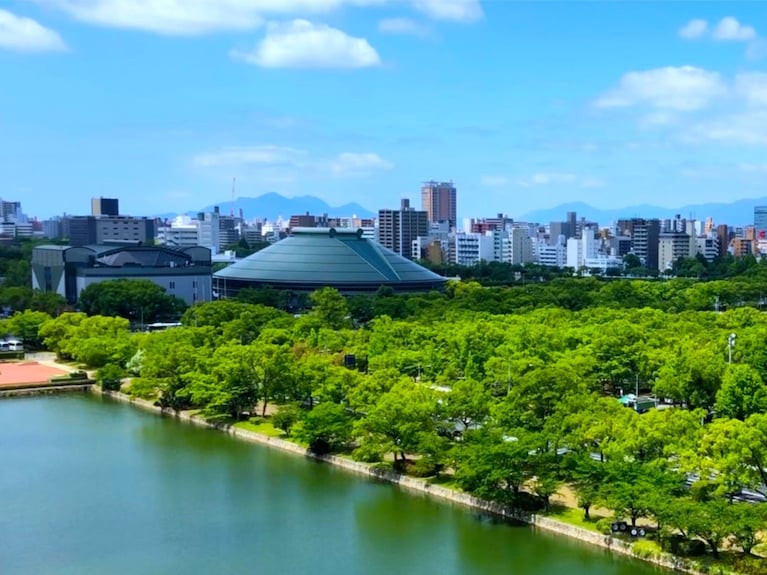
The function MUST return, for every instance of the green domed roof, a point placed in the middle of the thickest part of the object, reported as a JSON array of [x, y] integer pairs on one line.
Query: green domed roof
[[311, 258]]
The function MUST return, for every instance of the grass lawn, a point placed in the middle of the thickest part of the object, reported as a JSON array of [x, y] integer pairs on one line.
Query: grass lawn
[[574, 516], [264, 427]]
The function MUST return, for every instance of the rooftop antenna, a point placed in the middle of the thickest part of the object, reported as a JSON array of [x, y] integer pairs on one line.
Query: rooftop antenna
[[231, 206]]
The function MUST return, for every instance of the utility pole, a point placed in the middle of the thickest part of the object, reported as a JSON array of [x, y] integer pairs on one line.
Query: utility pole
[[730, 345]]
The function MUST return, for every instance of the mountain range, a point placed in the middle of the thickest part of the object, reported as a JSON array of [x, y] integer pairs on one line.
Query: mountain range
[[272, 206], [737, 213]]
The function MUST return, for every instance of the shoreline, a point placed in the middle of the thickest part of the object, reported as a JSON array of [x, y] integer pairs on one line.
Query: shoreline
[[420, 485]]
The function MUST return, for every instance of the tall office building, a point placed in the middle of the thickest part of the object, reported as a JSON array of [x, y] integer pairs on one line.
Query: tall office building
[[105, 207], [438, 200], [397, 229], [645, 236], [760, 219]]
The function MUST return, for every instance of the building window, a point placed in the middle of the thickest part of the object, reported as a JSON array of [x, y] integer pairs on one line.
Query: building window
[[172, 285]]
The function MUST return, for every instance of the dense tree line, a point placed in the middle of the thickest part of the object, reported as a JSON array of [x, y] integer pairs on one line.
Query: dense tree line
[[511, 407]]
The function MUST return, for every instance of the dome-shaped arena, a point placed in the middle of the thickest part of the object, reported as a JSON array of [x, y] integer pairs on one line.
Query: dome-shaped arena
[[313, 258]]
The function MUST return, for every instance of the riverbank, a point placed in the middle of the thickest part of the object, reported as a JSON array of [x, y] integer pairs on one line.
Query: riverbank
[[423, 486]]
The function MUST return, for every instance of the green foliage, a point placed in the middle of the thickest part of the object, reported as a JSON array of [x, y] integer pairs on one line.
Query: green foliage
[[286, 417], [26, 326], [109, 377], [645, 549], [327, 428], [141, 301], [330, 307]]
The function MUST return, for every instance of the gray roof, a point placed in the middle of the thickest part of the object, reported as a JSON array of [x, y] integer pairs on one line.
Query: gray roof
[[330, 257]]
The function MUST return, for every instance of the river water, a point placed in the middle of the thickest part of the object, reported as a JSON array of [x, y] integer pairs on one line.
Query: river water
[[91, 486]]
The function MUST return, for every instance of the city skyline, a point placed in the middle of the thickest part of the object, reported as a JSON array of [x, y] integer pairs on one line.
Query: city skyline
[[523, 105]]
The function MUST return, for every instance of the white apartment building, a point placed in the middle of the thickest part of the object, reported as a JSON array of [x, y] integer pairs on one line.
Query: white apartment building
[[548, 255], [672, 246], [516, 246], [470, 249], [581, 249], [186, 232], [708, 246]]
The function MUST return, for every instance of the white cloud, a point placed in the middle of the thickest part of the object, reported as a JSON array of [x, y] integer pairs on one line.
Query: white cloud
[[546, 179], [303, 44], [694, 29], [358, 164], [281, 164], [254, 155], [746, 128], [494, 181], [560, 178], [403, 27], [191, 17], [451, 10], [684, 88], [753, 168], [752, 87], [26, 35], [729, 29], [757, 49]]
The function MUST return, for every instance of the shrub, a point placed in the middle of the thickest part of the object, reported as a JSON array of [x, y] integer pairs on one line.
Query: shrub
[[142, 388], [286, 417], [368, 453], [423, 467], [604, 525], [109, 377], [645, 549]]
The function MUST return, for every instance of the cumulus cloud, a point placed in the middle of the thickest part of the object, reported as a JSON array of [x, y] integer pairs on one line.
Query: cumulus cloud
[[402, 27], [494, 181], [694, 29], [190, 17], [280, 164], [358, 164], [303, 44], [193, 17], [451, 10], [752, 87], [26, 35], [730, 29], [266, 155], [684, 88]]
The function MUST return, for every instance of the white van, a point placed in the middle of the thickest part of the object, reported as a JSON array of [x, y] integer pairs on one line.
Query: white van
[[11, 345]]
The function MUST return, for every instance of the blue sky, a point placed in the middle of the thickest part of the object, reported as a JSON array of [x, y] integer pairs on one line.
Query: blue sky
[[524, 105]]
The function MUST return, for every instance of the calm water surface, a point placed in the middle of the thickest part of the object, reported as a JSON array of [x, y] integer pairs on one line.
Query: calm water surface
[[90, 486]]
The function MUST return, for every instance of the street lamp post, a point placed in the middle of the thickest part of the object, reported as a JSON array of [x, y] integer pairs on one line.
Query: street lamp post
[[730, 346]]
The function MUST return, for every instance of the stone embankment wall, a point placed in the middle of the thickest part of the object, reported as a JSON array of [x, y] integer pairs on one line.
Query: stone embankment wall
[[420, 485]]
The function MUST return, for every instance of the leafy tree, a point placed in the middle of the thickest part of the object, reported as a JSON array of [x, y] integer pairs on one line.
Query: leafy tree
[[330, 307], [742, 394], [286, 417], [26, 325], [109, 377], [139, 300], [326, 428]]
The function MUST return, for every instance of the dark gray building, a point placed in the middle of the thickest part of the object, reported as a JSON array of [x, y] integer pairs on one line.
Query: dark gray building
[[67, 270], [313, 258], [89, 230], [645, 236], [397, 229], [105, 207]]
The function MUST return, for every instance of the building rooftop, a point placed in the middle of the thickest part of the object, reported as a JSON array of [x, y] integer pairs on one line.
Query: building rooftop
[[317, 257]]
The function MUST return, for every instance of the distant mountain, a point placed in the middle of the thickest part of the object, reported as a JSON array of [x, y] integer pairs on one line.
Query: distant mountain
[[740, 212], [273, 205]]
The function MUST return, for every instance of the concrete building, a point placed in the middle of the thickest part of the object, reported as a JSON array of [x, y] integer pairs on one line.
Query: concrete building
[[470, 249], [312, 258], [760, 218], [398, 228], [644, 241], [92, 230], [105, 207], [675, 245], [516, 247], [438, 200], [545, 254], [67, 270], [708, 246], [581, 249]]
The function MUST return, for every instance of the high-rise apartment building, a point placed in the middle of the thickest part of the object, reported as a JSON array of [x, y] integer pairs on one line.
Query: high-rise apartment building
[[645, 235], [105, 207], [438, 200], [760, 218], [397, 229]]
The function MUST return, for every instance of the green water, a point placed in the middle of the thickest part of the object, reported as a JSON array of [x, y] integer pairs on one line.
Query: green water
[[90, 486]]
